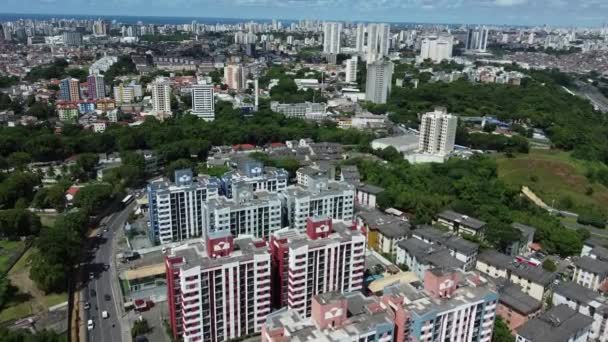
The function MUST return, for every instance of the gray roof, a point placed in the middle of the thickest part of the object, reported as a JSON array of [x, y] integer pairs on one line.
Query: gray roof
[[447, 239], [533, 273], [576, 292], [591, 265], [388, 225], [428, 254], [371, 189], [512, 296], [558, 324], [600, 252], [464, 220], [526, 230]]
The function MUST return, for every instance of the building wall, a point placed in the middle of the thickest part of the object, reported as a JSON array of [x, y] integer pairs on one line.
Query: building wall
[[513, 318]]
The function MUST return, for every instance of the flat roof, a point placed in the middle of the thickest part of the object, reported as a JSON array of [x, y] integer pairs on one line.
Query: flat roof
[[144, 272], [468, 221], [558, 324]]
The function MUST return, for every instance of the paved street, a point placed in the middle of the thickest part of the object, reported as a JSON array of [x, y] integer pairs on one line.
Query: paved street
[[104, 284]]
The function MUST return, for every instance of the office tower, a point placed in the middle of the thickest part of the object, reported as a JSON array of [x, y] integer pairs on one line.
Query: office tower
[[328, 257], [331, 38], [252, 174], [69, 89], [161, 95], [71, 38], [96, 87], [234, 76], [379, 81], [176, 208], [202, 101], [436, 48], [351, 69], [320, 198], [360, 39], [218, 289], [437, 132]]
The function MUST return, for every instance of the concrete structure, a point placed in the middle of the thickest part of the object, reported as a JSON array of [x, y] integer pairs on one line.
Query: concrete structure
[[477, 39], [252, 175], [299, 110], [461, 249], [383, 231], [127, 93], [379, 81], [219, 290], [587, 302], [331, 38], [161, 96], [436, 48], [461, 224], [234, 76], [403, 143], [330, 256], [72, 38], [360, 38], [351, 69], [437, 132], [176, 208], [378, 36], [367, 194], [67, 111], [515, 306], [321, 198], [420, 257], [335, 317], [102, 65], [69, 89], [203, 104], [96, 87], [591, 273], [557, 324]]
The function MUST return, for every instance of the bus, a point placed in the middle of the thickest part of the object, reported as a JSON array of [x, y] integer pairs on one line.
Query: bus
[[127, 200]]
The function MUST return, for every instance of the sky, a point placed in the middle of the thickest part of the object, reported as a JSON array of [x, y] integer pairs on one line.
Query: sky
[[510, 12]]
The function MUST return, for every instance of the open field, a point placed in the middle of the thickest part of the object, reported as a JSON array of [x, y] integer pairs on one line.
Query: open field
[[554, 176]]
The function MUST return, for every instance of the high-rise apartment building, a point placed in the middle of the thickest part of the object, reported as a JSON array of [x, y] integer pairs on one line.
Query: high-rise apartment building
[[127, 93], [320, 198], [69, 89], [330, 256], [96, 87], [379, 81], [437, 132], [202, 101], [251, 174], [360, 38], [351, 69], [331, 38], [161, 96], [378, 36], [72, 38], [218, 290], [436, 48], [176, 208], [477, 39], [234, 76]]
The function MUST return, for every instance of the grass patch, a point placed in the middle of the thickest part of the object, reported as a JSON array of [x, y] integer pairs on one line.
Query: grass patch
[[555, 177], [47, 219], [14, 311], [7, 250]]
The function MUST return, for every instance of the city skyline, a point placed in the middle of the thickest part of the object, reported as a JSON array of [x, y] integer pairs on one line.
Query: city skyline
[[500, 12]]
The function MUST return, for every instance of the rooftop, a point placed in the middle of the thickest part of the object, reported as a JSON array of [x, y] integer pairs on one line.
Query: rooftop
[[465, 220], [388, 225], [578, 293], [533, 273], [558, 324], [511, 295], [591, 265], [445, 238]]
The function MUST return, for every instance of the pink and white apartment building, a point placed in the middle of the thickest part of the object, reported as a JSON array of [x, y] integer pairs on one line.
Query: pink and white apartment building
[[218, 291], [330, 256]]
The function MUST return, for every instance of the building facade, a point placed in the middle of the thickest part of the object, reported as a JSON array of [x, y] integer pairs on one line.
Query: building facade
[[161, 96], [96, 87], [437, 132], [203, 104], [379, 81]]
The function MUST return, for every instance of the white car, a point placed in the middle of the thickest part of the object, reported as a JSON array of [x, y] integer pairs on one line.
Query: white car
[[104, 314], [90, 324]]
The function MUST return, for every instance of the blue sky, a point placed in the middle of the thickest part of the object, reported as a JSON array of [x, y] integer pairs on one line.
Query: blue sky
[[518, 12]]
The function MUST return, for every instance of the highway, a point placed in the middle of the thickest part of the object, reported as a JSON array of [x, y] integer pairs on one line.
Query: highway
[[104, 283], [592, 94]]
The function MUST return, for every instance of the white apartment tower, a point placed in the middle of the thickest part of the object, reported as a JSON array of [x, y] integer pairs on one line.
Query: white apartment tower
[[351, 69], [436, 48], [437, 132], [378, 36], [234, 76], [202, 101], [360, 39], [379, 81], [161, 95], [331, 38]]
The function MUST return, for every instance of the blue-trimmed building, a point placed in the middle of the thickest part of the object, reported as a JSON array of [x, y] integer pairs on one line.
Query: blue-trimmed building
[[254, 175]]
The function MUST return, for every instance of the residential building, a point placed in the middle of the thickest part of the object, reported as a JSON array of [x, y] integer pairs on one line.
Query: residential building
[[350, 174], [587, 302], [436, 48], [367, 194], [72, 38], [437, 132], [161, 96], [67, 111], [234, 76], [334, 317], [420, 257], [331, 38], [321, 198], [218, 290], [351, 69], [461, 224], [523, 245], [329, 256], [127, 93], [477, 39], [383, 231], [254, 176], [102, 65], [534, 280], [303, 110], [96, 87], [309, 173], [591, 273], [378, 36], [69, 89], [461, 249], [559, 323], [360, 38], [379, 81], [203, 104], [515, 306], [453, 306], [176, 208]]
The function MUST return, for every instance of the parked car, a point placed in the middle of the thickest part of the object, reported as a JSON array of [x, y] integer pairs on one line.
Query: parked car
[[90, 324], [104, 314], [87, 306]]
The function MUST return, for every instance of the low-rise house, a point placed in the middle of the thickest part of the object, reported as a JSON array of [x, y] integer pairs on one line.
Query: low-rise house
[[383, 231], [522, 246], [559, 324], [515, 306], [420, 257], [591, 273], [461, 224], [367, 195], [461, 249], [586, 302]]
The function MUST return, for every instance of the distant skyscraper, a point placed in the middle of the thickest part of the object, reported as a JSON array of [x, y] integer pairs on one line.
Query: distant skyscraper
[[437, 48], [161, 95], [69, 89], [96, 87], [71, 38], [202, 101], [351, 69], [531, 38], [477, 39], [234, 76], [437, 132], [378, 36], [331, 38], [360, 39], [379, 80]]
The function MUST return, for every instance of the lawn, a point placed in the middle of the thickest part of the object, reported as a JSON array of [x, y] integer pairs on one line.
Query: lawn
[[555, 177], [7, 250], [47, 219], [29, 300]]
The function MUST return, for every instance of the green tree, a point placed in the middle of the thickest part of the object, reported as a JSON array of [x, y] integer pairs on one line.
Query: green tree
[[501, 331], [93, 197], [140, 327], [549, 265]]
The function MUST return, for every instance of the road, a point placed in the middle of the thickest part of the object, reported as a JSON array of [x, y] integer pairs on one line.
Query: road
[[591, 93], [104, 283]]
